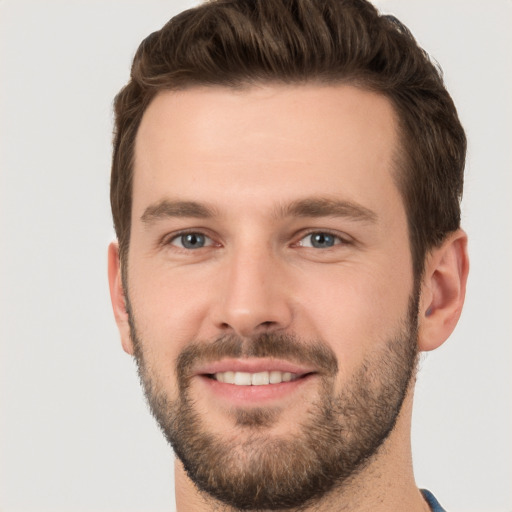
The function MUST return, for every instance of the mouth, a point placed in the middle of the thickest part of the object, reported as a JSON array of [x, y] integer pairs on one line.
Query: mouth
[[242, 382], [264, 378]]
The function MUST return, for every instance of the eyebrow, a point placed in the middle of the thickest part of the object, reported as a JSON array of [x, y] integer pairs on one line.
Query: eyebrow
[[168, 209], [308, 207], [327, 207]]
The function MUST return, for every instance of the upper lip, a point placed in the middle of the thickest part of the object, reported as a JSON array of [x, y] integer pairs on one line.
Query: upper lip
[[252, 365]]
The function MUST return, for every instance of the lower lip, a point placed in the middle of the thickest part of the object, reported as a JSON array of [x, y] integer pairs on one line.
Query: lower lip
[[254, 395]]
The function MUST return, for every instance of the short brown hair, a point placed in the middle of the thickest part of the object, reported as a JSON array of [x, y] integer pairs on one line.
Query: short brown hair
[[234, 43]]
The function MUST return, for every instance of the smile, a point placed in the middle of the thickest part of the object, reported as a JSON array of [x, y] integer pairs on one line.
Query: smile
[[254, 379], [242, 382]]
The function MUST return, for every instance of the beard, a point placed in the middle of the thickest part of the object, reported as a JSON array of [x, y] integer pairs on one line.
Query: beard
[[338, 434]]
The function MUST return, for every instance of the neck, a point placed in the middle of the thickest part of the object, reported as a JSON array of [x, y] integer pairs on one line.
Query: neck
[[385, 484]]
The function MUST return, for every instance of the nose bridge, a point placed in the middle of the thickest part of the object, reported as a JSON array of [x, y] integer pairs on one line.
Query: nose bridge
[[254, 297]]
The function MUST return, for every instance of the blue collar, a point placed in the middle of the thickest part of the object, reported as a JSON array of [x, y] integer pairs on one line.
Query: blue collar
[[431, 500]]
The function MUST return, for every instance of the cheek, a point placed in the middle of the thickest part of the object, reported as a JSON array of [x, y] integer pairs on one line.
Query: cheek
[[359, 310], [168, 309]]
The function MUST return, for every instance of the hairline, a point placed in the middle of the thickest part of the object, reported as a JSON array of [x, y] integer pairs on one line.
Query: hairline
[[401, 159]]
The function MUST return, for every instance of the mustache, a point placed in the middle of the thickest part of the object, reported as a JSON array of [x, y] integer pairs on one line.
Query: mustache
[[269, 345]]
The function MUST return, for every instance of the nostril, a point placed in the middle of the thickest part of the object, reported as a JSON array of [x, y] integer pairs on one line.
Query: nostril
[[247, 321]]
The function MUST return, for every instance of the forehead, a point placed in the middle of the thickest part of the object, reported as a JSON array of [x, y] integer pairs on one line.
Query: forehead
[[266, 144]]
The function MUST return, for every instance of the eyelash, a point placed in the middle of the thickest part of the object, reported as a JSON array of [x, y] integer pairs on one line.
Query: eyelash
[[169, 239], [341, 240]]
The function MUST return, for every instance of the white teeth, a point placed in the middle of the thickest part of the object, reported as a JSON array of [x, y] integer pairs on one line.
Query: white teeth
[[229, 377], [275, 377], [254, 379], [260, 379], [287, 376], [242, 379]]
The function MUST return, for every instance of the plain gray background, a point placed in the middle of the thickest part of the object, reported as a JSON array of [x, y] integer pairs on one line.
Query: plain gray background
[[75, 434]]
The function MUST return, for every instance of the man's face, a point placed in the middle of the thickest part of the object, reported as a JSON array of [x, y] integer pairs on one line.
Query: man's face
[[269, 278]]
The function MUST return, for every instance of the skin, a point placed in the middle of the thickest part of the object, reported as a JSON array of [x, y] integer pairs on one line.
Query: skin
[[247, 155]]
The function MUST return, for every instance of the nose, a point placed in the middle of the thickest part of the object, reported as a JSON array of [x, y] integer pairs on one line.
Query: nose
[[254, 296]]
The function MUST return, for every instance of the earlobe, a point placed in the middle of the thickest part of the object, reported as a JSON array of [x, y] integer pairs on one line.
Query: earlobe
[[443, 291], [117, 296]]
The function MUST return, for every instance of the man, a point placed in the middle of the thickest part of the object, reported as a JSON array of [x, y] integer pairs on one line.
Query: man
[[285, 189]]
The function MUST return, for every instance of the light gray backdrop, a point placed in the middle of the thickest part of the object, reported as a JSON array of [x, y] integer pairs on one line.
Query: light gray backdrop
[[74, 431]]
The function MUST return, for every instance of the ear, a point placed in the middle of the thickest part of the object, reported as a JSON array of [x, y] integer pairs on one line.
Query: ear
[[443, 291], [117, 296]]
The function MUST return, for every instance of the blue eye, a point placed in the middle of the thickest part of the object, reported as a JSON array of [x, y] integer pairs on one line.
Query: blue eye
[[191, 241], [320, 240]]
